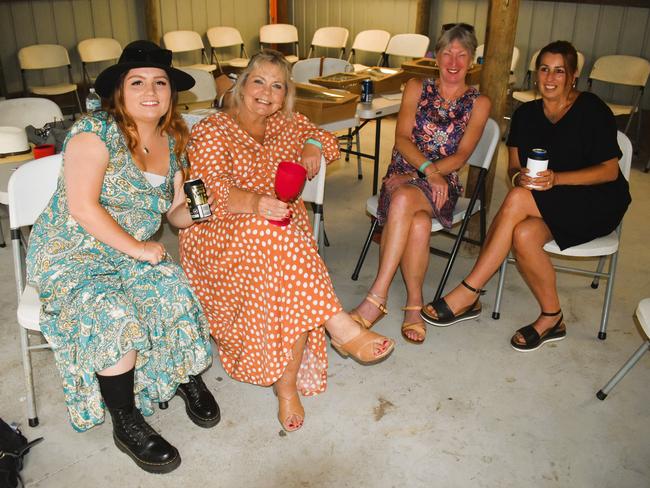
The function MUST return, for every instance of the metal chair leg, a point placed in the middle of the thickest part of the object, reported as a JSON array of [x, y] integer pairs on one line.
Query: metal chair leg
[[599, 269], [602, 333], [359, 168], [364, 250], [349, 145], [502, 279], [32, 416], [2, 238], [602, 393]]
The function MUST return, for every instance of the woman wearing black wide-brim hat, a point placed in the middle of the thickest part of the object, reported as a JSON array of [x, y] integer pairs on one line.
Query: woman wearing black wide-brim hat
[[121, 317]]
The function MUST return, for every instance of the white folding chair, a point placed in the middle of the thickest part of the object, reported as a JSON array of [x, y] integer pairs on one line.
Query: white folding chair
[[223, 37], [330, 37], [623, 70], [21, 112], [314, 193], [281, 34], [643, 316], [182, 41], [480, 158], [406, 45], [529, 93], [601, 248], [513, 63], [374, 41], [96, 50], [47, 56], [201, 95], [30, 189], [305, 69]]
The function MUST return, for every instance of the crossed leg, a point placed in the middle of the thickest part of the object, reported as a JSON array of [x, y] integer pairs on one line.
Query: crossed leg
[[404, 240], [517, 223]]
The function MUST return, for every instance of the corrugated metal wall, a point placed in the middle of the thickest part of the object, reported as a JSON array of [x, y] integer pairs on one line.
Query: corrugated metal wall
[[67, 22]]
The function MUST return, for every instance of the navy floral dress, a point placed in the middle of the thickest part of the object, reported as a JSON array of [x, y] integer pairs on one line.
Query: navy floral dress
[[99, 303], [439, 127]]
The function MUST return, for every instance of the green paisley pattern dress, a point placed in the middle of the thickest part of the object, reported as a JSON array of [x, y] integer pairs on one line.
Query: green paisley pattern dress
[[99, 303]]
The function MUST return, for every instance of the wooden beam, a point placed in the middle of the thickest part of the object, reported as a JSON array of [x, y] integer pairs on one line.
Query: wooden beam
[[499, 41], [153, 22], [423, 12]]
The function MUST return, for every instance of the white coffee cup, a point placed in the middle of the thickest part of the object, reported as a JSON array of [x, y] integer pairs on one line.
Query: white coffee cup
[[536, 163]]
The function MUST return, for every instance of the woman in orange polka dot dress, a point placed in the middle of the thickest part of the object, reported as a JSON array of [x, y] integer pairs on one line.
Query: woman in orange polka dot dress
[[264, 288]]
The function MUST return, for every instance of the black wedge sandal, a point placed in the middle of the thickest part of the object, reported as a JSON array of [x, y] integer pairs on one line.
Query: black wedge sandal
[[533, 340], [445, 317]]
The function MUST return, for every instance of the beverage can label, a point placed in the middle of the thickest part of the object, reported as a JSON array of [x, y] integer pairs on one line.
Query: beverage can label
[[197, 199]]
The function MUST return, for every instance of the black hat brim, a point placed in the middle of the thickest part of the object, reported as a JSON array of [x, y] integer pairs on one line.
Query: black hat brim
[[107, 80]]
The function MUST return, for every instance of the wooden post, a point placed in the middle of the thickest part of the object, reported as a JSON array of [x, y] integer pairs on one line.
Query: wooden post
[[423, 13], [153, 24], [499, 41]]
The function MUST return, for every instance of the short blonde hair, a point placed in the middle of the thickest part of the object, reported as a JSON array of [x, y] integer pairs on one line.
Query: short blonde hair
[[275, 58], [463, 33]]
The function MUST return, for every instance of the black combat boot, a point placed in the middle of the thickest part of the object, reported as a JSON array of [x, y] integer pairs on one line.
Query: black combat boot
[[131, 433], [200, 405]]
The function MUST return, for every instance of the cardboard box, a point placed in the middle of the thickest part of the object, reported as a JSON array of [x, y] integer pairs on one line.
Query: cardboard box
[[323, 105], [385, 80], [341, 81], [428, 68]]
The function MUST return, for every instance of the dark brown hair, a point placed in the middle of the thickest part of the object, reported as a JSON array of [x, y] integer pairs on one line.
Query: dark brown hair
[[171, 123], [564, 49]]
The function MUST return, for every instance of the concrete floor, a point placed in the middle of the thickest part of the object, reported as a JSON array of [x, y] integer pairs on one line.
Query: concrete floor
[[463, 409]]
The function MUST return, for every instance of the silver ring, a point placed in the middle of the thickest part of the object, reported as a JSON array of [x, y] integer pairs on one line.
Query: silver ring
[[268, 212]]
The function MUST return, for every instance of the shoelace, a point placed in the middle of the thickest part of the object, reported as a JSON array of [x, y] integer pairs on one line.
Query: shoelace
[[135, 426], [194, 388]]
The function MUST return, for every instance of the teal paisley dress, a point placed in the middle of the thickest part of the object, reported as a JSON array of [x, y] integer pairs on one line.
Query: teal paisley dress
[[99, 303]]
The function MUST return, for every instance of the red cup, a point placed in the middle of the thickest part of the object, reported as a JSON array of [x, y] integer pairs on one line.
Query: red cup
[[289, 181], [43, 150]]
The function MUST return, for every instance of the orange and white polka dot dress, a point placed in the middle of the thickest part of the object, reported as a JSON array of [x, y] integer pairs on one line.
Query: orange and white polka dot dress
[[261, 286]]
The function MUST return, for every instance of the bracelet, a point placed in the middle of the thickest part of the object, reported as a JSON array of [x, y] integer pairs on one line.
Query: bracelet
[[424, 166], [512, 180], [144, 247], [314, 142]]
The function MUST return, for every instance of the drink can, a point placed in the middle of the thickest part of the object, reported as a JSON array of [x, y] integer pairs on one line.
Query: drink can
[[366, 91], [537, 162], [197, 199]]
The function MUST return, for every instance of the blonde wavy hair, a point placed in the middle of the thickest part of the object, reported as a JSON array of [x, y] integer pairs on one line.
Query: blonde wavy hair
[[275, 58]]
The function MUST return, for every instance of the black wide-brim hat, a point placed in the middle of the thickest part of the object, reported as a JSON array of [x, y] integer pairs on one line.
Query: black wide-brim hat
[[142, 54]]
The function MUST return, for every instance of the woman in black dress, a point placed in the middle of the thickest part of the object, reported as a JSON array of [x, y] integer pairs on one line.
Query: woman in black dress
[[582, 195]]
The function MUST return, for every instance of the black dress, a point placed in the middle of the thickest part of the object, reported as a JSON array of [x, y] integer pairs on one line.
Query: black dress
[[585, 136]]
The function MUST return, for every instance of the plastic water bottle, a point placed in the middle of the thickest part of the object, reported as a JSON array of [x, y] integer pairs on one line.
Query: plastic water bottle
[[93, 101]]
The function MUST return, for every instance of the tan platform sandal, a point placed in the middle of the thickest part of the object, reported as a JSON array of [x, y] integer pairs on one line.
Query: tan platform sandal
[[417, 327], [289, 407], [365, 323], [361, 347]]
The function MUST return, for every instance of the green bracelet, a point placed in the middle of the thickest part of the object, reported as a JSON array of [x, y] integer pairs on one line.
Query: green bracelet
[[424, 166], [314, 142]]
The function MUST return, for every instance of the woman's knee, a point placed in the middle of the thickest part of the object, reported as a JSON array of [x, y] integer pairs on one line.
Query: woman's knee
[[528, 234], [402, 201], [516, 200], [421, 222]]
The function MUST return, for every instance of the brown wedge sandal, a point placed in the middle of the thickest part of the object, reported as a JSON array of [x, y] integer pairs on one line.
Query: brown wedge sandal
[[417, 327], [361, 348], [374, 299], [289, 407]]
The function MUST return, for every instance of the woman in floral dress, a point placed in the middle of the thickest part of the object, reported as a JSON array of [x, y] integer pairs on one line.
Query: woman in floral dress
[[265, 290], [439, 124], [119, 315]]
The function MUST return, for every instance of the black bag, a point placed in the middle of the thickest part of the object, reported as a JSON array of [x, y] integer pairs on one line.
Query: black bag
[[51, 133], [13, 447]]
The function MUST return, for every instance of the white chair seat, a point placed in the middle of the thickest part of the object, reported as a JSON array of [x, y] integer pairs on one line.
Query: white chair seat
[[29, 309], [620, 109], [525, 96], [359, 67], [601, 246], [643, 314], [58, 89], [235, 62], [203, 67], [291, 58], [459, 211]]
